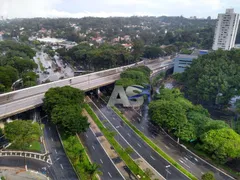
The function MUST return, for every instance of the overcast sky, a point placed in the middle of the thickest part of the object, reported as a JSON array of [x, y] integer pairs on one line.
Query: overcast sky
[[106, 8]]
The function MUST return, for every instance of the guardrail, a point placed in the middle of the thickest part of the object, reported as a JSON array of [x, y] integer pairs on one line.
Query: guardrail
[[26, 154]]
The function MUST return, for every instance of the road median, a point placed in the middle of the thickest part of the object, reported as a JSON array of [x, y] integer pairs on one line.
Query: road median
[[132, 165]]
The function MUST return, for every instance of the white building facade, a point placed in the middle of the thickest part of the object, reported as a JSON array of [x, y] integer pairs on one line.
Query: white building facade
[[226, 30]]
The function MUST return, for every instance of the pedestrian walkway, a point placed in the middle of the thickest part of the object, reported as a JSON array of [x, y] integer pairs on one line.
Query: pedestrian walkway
[[20, 174]]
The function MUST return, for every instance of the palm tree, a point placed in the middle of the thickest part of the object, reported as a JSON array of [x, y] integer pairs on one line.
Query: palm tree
[[92, 170]]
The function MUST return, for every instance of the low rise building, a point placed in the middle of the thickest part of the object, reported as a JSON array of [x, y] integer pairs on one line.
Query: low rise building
[[183, 60]]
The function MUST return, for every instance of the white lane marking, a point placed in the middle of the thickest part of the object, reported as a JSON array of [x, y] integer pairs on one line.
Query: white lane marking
[[184, 164], [55, 151], [152, 157], [61, 166], [166, 147], [109, 174], [52, 139], [117, 127], [196, 159], [139, 145], [86, 136], [93, 147], [123, 139], [107, 154], [101, 161], [142, 127], [183, 160], [153, 137], [171, 144], [168, 172], [202, 172], [49, 128], [128, 134]]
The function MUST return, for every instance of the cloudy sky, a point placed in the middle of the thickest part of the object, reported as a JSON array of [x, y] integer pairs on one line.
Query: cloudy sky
[[106, 8]]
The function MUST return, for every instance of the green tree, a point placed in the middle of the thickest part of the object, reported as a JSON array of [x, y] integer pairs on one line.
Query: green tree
[[8, 75], [208, 176], [138, 49], [62, 96], [222, 144], [92, 170], [22, 133], [168, 114], [69, 118]]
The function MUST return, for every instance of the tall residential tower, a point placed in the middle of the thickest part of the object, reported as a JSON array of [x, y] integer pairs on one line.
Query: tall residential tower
[[226, 30]]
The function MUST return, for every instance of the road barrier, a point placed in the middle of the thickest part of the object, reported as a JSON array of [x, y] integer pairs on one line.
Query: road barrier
[[26, 154]]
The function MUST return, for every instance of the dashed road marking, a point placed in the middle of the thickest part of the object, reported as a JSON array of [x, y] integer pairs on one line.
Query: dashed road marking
[[166, 147], [61, 166], [109, 174], [55, 151], [52, 139], [86, 136], [153, 158], [128, 134], [184, 164], [101, 161], [142, 127], [139, 145], [93, 147]]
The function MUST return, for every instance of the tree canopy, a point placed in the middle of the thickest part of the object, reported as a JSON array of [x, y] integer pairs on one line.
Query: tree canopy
[[22, 133], [213, 78], [192, 123], [64, 107]]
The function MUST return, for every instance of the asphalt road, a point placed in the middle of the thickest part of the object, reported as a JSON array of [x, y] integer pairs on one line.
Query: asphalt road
[[19, 162], [153, 158], [61, 169], [187, 159], [99, 156]]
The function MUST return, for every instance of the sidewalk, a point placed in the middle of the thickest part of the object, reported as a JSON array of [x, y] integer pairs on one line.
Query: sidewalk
[[20, 174]]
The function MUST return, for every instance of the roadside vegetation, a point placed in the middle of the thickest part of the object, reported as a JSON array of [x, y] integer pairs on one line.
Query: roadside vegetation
[[154, 146], [24, 135], [16, 63], [123, 153], [134, 76], [192, 124], [79, 159], [63, 106]]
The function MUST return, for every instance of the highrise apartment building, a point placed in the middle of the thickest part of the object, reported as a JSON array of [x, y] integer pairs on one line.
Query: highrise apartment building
[[226, 30]]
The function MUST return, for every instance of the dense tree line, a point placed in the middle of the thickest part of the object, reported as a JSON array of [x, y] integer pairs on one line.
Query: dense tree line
[[214, 78], [64, 107], [103, 57], [192, 123], [15, 63], [151, 30]]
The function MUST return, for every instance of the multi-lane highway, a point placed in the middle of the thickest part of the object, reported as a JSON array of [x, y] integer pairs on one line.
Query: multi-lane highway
[[184, 157], [99, 156], [132, 139]]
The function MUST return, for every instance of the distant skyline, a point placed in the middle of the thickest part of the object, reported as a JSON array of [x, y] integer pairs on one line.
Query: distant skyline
[[106, 8]]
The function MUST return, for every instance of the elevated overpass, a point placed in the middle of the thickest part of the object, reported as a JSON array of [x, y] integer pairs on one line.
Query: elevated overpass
[[29, 98]]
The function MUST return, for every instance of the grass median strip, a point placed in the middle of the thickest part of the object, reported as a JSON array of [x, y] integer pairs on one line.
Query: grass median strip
[[154, 146], [132, 165], [77, 156]]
